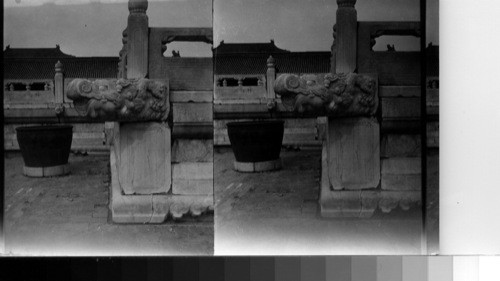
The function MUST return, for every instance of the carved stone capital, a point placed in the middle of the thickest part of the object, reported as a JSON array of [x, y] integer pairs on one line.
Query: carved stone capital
[[138, 6], [346, 3], [125, 100], [336, 95], [271, 62]]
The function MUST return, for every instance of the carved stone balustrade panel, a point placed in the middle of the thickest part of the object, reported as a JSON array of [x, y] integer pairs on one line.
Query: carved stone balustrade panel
[[333, 95], [123, 100]]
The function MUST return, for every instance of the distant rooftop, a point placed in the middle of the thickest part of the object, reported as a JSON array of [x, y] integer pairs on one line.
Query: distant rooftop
[[248, 48], [251, 58], [44, 68], [22, 53], [288, 62], [39, 63]]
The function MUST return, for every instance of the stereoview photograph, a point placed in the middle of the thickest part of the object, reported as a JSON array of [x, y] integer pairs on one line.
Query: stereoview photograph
[[224, 127]]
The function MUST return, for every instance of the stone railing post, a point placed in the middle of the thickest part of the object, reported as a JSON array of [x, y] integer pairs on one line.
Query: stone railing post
[[351, 154], [140, 155], [346, 37], [59, 83], [271, 77], [137, 39], [122, 64]]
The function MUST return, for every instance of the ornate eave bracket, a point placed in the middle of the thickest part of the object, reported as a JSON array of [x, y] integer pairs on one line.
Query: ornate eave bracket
[[335, 95], [122, 100]]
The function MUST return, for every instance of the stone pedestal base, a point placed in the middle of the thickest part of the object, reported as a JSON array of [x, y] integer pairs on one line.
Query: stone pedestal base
[[193, 178], [360, 203], [152, 208], [142, 175], [254, 167], [143, 152], [52, 171], [353, 147]]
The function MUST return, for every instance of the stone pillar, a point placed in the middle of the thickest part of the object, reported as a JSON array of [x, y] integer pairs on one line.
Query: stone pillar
[[353, 153], [353, 144], [144, 167], [333, 57], [122, 64], [140, 156], [137, 39], [350, 167], [59, 83], [345, 44], [271, 77]]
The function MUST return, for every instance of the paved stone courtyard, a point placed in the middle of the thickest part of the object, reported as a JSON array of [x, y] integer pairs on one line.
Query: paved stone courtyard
[[276, 213], [69, 216]]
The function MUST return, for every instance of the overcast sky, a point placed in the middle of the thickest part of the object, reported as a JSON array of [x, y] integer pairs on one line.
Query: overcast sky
[[306, 25], [94, 27]]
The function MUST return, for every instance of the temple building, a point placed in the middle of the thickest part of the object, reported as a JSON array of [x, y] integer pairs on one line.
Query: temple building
[[244, 73], [31, 83]]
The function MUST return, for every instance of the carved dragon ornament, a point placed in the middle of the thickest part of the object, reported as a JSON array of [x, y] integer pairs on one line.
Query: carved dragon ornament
[[121, 100], [338, 95]]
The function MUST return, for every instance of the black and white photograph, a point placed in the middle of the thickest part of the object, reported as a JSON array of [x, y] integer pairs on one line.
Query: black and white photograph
[[224, 127], [326, 127], [250, 140], [108, 128]]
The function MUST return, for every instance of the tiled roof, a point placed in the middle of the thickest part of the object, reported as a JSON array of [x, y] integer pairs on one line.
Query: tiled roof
[[35, 53], [292, 62], [246, 48], [295, 62], [43, 68]]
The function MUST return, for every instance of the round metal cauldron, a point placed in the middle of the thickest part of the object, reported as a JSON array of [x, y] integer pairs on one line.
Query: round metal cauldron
[[256, 144], [45, 149]]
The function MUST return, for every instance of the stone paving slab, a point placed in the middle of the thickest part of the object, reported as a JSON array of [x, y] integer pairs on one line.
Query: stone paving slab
[[69, 216], [277, 213]]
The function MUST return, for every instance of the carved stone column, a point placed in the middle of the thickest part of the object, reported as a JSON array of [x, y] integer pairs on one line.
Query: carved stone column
[[351, 152], [137, 39], [141, 141], [346, 41], [59, 83], [271, 77]]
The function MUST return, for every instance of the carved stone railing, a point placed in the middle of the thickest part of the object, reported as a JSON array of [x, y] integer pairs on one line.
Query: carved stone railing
[[121, 100], [224, 91], [378, 29], [19, 92], [240, 80], [10, 85], [334, 95], [37, 100], [393, 68], [171, 34]]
